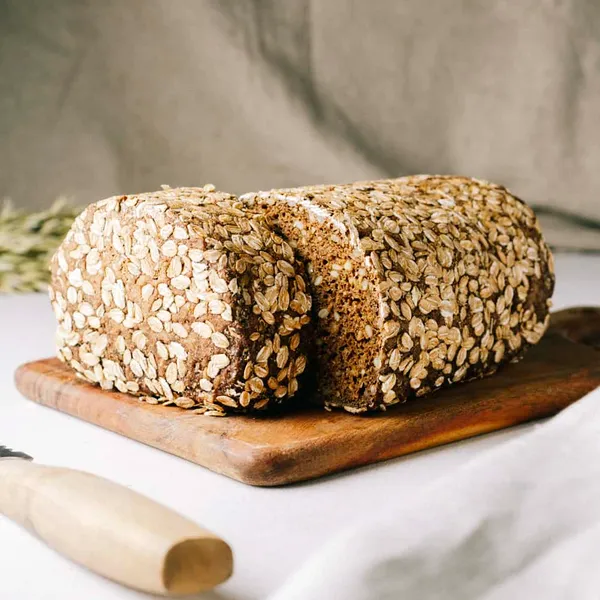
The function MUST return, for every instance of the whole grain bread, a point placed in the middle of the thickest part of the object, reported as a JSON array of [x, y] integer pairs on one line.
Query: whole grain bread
[[417, 282], [181, 297]]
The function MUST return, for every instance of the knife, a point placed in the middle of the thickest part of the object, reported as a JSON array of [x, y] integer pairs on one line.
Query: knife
[[111, 529]]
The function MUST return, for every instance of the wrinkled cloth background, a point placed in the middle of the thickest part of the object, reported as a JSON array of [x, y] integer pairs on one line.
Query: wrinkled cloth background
[[98, 98]]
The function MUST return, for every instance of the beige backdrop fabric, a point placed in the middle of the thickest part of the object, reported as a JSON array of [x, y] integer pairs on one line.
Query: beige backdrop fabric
[[105, 97]]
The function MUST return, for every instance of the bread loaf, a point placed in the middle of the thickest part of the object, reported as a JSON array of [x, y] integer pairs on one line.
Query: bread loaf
[[181, 297], [417, 283]]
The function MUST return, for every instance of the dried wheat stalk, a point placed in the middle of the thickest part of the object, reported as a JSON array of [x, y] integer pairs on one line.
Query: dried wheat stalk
[[27, 242]]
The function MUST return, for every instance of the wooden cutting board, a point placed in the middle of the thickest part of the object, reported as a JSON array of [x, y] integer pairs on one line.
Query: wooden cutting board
[[283, 449]]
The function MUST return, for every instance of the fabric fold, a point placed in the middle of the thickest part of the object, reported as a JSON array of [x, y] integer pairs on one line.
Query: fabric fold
[[521, 521]]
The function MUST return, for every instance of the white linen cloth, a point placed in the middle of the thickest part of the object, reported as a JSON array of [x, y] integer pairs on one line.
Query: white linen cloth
[[521, 521]]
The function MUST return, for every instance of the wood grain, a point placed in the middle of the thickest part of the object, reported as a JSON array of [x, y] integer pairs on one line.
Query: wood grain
[[284, 449], [113, 530]]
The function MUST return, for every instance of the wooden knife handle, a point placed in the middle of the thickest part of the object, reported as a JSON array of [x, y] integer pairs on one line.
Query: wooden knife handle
[[581, 324], [112, 530]]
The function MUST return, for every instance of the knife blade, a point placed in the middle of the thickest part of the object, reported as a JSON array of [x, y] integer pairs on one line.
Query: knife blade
[[111, 529]]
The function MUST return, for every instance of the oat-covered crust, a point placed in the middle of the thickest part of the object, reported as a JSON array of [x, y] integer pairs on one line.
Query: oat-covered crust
[[181, 297], [417, 282]]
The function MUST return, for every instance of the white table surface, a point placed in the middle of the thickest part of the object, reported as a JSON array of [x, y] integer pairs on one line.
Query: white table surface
[[272, 531]]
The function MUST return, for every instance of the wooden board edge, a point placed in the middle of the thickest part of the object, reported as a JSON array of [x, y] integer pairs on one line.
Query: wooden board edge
[[268, 467], [239, 460]]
